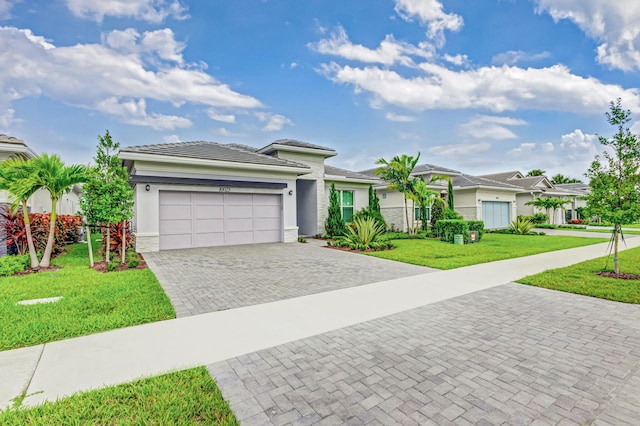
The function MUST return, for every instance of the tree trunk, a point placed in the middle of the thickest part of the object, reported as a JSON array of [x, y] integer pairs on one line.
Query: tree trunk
[[46, 257], [108, 247], [616, 236], [124, 239], [27, 228], [89, 246], [406, 214]]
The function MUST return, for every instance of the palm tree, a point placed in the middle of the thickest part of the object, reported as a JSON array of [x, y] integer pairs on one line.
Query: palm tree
[[424, 196], [542, 203], [558, 203], [397, 173], [14, 178], [51, 173]]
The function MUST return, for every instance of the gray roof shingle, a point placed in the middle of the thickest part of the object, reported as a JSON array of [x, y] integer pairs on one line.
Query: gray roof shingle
[[417, 170], [300, 144], [10, 139], [336, 171], [211, 151], [465, 181]]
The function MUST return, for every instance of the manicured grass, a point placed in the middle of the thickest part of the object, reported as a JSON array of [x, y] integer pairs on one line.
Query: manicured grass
[[581, 278], [608, 231], [91, 301], [634, 225], [188, 397], [438, 254]]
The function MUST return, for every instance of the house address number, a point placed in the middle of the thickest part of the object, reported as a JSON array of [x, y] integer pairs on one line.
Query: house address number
[[225, 188]]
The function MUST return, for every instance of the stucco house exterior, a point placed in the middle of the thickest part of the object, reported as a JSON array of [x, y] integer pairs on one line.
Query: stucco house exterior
[[541, 187], [200, 194], [475, 197]]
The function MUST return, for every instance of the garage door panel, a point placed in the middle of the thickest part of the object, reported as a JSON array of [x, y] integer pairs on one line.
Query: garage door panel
[[264, 224], [239, 212], [240, 237], [236, 225], [210, 239], [174, 227], [175, 198], [208, 198], [175, 241], [209, 225], [267, 236], [171, 212], [496, 214], [206, 212], [238, 199], [268, 211], [266, 200]]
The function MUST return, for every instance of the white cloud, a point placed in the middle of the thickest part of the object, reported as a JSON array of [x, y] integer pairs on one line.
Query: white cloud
[[513, 57], [459, 149], [5, 8], [496, 89], [135, 112], [614, 24], [491, 127], [225, 118], [7, 117], [274, 122], [171, 139], [154, 11], [399, 118], [112, 77], [389, 52], [459, 60], [293, 65], [430, 13], [228, 133], [570, 156]]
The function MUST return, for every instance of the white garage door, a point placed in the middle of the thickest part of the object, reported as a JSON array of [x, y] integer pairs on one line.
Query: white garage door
[[205, 219], [496, 214]]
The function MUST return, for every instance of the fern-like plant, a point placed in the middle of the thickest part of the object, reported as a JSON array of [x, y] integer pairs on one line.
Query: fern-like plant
[[521, 226]]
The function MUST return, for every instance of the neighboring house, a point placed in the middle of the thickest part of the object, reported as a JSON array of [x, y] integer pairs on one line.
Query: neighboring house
[[40, 202], [200, 194], [475, 198], [540, 187]]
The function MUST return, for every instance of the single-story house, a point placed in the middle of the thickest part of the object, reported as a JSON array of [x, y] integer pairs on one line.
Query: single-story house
[[541, 187], [199, 194], [475, 197]]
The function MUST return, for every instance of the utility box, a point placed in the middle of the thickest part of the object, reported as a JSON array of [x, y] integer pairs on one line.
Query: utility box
[[458, 239], [474, 236]]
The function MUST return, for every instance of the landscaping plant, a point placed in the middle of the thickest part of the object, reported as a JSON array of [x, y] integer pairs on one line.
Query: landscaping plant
[[365, 234], [334, 225], [615, 179], [521, 226], [397, 173]]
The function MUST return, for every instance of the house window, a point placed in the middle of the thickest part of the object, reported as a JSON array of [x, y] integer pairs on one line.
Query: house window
[[346, 205], [416, 213]]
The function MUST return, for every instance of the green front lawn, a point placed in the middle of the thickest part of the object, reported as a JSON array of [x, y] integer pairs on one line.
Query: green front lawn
[[91, 301], [438, 254], [634, 225], [188, 397], [581, 278]]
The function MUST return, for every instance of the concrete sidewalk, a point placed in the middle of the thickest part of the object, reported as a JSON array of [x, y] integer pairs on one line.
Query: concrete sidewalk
[[59, 369]]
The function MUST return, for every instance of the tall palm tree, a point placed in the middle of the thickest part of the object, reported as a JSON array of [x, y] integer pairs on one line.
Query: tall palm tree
[[397, 173], [51, 173], [542, 203], [14, 178], [424, 196]]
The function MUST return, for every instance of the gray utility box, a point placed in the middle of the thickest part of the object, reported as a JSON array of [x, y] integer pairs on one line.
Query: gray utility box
[[474, 236]]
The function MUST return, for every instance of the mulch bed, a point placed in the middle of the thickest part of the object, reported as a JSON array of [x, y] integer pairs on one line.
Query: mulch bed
[[35, 271], [620, 276], [102, 266], [357, 250]]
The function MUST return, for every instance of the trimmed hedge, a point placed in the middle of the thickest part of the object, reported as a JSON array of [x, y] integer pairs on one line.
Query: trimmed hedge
[[10, 265], [446, 229]]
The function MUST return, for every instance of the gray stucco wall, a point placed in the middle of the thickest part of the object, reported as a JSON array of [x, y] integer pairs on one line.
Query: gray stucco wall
[[468, 213], [307, 207]]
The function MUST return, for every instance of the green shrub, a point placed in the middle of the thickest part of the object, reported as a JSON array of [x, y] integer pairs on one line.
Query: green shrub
[[113, 265], [450, 214], [447, 228], [538, 218], [363, 235], [437, 213], [368, 212], [397, 235], [14, 264], [477, 225], [521, 226], [302, 240], [334, 225], [133, 259]]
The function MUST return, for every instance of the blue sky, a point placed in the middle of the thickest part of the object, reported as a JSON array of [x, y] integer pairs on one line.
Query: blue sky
[[479, 86]]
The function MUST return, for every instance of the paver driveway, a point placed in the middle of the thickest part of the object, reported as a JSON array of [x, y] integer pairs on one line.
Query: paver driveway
[[510, 355], [210, 279]]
